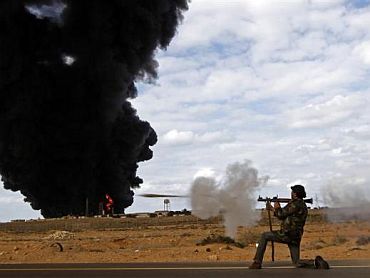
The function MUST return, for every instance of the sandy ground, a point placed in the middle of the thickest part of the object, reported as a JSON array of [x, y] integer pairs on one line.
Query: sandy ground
[[174, 243]]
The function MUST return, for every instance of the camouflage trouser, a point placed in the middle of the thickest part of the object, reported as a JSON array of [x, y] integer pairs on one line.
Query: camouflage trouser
[[276, 236]]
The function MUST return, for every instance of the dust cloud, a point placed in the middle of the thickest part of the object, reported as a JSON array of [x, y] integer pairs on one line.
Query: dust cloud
[[347, 198], [233, 196]]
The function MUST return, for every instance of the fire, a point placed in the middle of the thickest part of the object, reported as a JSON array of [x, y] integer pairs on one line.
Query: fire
[[109, 204]]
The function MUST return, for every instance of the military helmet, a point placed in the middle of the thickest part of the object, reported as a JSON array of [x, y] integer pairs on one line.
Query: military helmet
[[299, 190]]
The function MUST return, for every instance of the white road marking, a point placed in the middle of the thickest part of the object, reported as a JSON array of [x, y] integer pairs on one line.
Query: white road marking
[[164, 268]]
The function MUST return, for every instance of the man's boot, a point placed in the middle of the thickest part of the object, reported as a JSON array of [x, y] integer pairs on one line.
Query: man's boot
[[255, 265], [320, 263]]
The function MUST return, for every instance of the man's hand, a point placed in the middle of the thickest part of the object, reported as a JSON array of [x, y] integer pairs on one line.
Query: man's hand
[[269, 206], [277, 205]]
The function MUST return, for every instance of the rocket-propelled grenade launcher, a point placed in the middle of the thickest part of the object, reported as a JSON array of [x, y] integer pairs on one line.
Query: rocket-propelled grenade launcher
[[281, 200]]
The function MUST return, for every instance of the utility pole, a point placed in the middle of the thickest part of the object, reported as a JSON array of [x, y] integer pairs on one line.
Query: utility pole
[[87, 207], [317, 201]]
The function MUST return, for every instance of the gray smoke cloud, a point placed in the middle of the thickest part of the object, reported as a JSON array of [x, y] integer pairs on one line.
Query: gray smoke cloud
[[347, 198], [233, 196]]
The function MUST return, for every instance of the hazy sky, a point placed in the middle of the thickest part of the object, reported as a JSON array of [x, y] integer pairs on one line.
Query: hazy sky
[[284, 84]]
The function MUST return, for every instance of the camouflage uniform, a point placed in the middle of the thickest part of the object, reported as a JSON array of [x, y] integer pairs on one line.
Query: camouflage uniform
[[293, 217]]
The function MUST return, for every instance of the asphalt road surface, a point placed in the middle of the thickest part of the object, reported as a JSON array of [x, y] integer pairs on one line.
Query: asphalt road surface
[[339, 269]]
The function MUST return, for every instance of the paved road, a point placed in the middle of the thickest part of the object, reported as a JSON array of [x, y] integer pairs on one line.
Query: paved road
[[340, 269]]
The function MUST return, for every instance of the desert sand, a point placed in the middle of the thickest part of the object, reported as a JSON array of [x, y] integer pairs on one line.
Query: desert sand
[[169, 239]]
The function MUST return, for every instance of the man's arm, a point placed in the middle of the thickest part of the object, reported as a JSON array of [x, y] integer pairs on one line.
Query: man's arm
[[282, 213]]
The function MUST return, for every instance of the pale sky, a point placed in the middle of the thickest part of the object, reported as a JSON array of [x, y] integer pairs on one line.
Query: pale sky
[[284, 84]]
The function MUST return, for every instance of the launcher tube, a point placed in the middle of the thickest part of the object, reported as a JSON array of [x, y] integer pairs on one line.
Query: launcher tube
[[281, 200]]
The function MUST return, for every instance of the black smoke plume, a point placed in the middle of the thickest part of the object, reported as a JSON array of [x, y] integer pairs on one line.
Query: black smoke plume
[[67, 70]]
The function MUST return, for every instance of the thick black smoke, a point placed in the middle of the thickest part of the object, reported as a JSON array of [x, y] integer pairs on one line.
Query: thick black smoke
[[67, 131]]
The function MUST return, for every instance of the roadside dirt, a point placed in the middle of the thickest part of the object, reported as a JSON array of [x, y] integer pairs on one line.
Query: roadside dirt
[[177, 242]]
